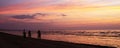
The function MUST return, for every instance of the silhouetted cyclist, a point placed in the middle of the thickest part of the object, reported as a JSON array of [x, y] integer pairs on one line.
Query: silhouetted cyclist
[[24, 34], [29, 34], [39, 34]]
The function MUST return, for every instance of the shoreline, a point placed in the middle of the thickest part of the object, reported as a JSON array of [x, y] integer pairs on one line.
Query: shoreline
[[14, 41]]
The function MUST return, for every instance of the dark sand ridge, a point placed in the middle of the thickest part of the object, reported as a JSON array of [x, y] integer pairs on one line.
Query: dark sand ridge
[[13, 41]]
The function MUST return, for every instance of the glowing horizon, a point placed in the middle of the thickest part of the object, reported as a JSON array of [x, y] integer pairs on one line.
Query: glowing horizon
[[78, 14]]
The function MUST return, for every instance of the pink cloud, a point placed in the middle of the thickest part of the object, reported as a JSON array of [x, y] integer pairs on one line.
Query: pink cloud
[[2, 21]]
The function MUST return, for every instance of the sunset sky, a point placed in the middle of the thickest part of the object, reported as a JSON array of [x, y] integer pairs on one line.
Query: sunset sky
[[59, 14]]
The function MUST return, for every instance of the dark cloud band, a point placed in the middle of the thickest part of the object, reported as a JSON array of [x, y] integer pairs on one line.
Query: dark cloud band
[[23, 17], [33, 16]]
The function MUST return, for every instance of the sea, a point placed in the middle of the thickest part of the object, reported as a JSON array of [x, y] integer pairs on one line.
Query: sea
[[95, 37]]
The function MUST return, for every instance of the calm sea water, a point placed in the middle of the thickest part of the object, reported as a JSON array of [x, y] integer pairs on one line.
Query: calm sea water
[[96, 37]]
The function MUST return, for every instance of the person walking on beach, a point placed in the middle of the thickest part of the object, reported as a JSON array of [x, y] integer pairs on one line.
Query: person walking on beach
[[29, 34], [24, 33], [39, 34]]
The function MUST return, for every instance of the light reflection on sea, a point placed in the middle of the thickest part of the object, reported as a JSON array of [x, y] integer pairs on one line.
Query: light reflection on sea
[[96, 40]]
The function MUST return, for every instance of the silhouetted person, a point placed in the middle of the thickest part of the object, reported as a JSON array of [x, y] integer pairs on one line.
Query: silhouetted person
[[29, 34], [24, 34], [39, 34]]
